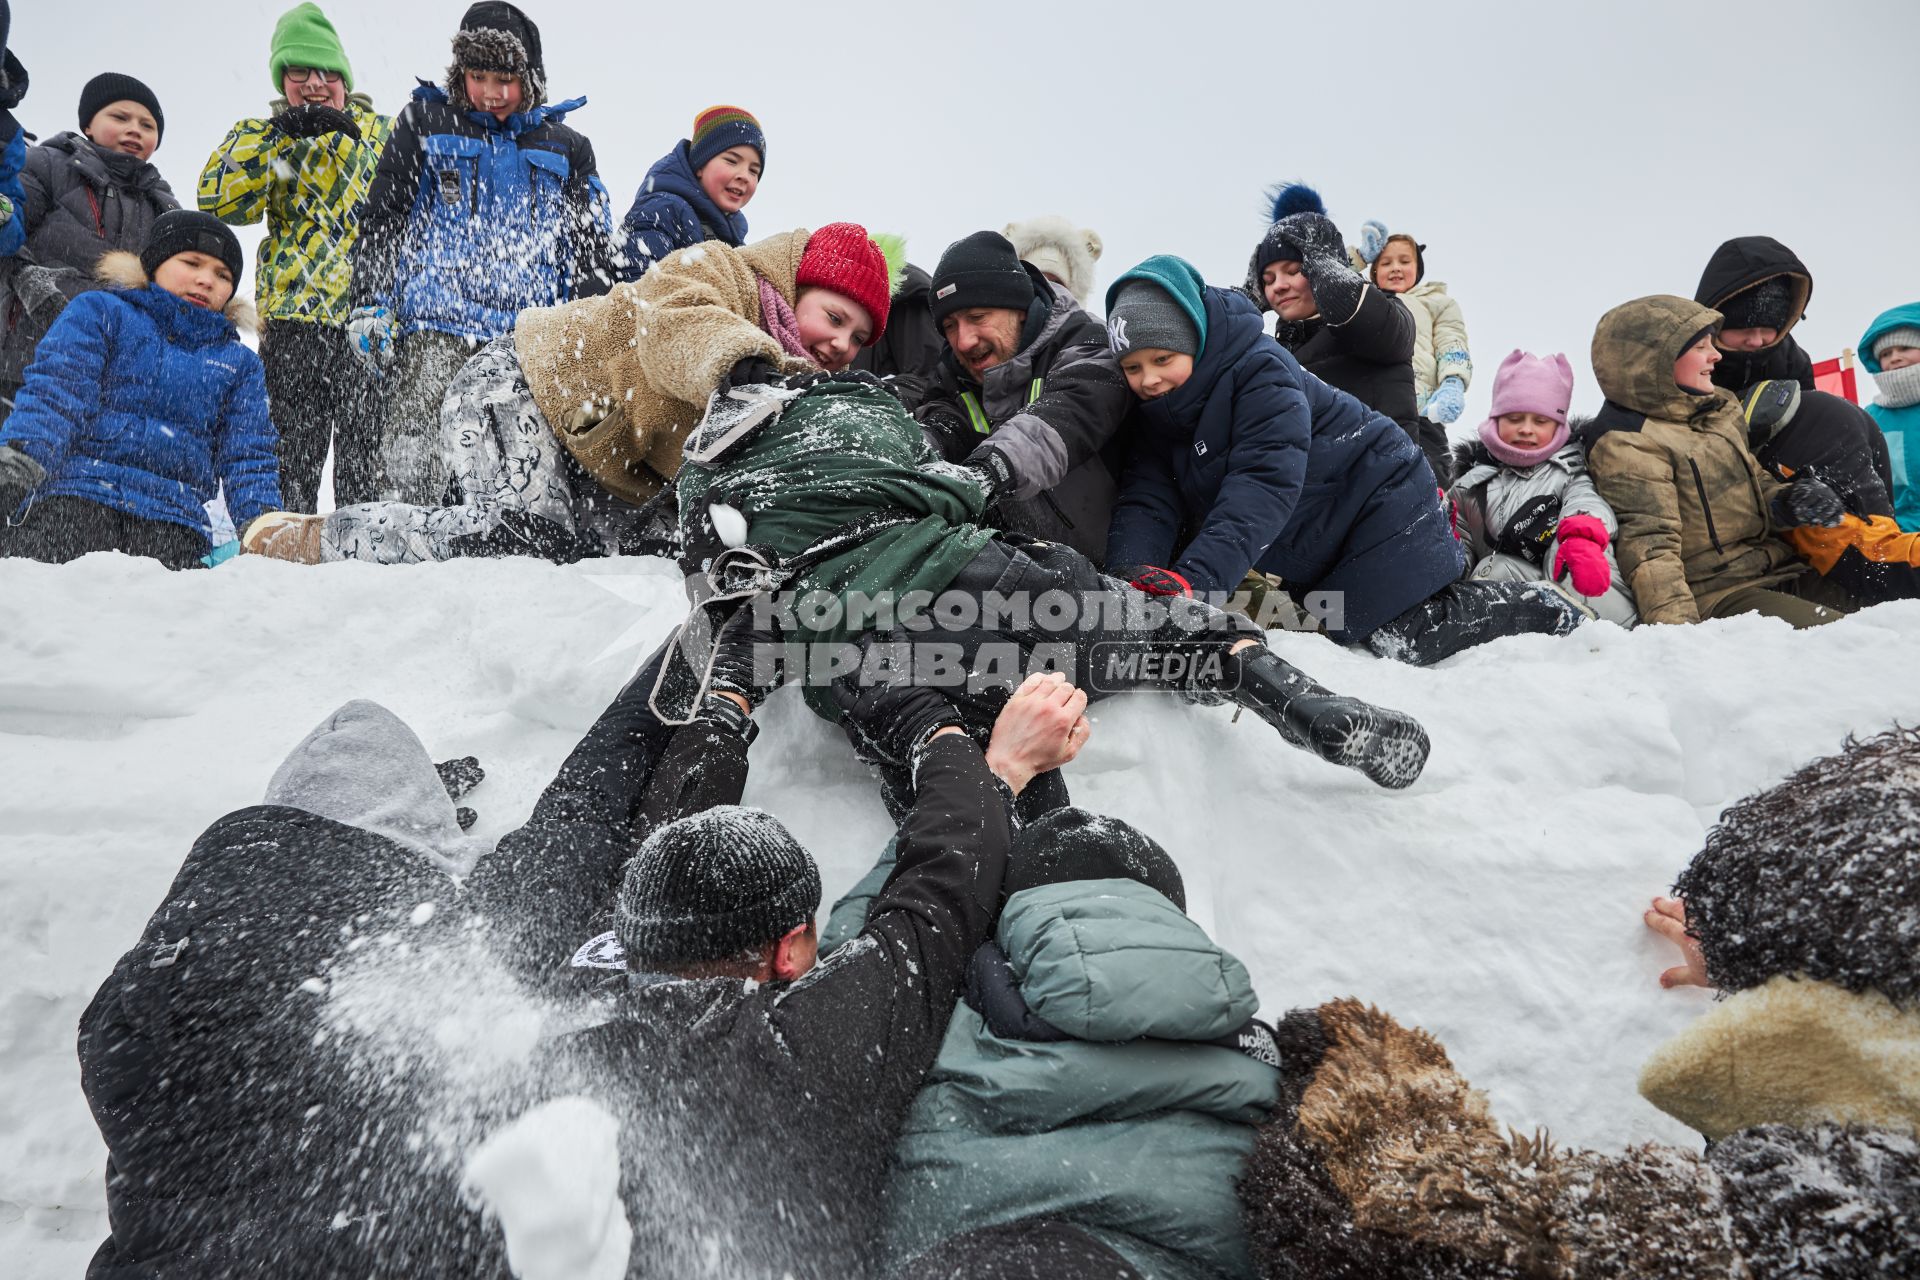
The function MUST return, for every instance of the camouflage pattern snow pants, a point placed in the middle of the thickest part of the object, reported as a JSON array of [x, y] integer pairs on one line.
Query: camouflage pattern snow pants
[[499, 451]]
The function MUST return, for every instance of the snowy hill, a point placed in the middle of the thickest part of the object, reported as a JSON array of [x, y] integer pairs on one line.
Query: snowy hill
[[1497, 902]]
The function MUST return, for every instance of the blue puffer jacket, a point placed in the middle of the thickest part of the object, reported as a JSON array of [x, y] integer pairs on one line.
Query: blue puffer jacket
[[1255, 463], [145, 403], [1901, 426], [1112, 1107], [13, 159], [471, 220], [670, 212]]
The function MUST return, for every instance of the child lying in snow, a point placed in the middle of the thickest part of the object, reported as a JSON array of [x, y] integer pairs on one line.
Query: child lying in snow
[[562, 433], [1526, 509], [1805, 1080]]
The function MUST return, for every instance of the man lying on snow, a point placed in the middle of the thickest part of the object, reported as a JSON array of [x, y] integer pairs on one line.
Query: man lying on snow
[[829, 496], [1804, 1080], [269, 1067]]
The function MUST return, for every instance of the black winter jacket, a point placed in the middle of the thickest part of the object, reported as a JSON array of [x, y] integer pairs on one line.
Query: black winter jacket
[[83, 202], [1838, 443], [911, 348], [1739, 265], [765, 1116], [1056, 413], [1371, 359]]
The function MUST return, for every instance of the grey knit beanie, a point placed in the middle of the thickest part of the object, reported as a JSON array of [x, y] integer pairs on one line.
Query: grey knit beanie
[[1902, 337], [714, 885], [1145, 315]]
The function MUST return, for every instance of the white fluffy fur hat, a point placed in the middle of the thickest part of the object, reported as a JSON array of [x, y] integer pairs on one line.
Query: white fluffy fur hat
[[1059, 249]]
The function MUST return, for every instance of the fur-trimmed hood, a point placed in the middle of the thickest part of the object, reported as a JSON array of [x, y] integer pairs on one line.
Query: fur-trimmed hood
[[1061, 250], [121, 269], [495, 36]]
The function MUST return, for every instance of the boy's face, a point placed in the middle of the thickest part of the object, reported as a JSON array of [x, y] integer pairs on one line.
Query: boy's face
[[1396, 267], [1694, 369], [320, 88], [1154, 371], [1747, 339], [731, 178], [1287, 290], [126, 127], [1899, 358], [495, 92], [833, 327], [200, 278], [1525, 430]]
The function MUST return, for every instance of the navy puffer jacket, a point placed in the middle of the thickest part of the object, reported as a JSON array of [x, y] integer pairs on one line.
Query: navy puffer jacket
[[1256, 464], [671, 211]]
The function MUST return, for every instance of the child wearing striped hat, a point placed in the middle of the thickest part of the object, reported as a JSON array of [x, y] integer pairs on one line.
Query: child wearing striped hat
[[696, 192]]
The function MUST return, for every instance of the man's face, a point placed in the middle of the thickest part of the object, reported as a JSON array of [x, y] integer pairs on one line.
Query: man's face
[[982, 337], [1756, 339]]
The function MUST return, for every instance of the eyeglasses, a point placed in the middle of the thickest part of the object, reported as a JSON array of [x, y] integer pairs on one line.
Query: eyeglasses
[[300, 75]]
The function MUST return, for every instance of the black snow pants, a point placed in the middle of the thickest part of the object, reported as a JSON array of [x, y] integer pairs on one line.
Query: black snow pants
[[1463, 614], [63, 528], [322, 397]]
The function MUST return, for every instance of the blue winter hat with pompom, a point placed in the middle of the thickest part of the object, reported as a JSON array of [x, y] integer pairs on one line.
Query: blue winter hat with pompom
[[1287, 199]]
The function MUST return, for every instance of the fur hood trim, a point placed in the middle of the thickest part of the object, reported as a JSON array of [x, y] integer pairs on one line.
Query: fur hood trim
[[490, 49], [1792, 1051], [122, 270]]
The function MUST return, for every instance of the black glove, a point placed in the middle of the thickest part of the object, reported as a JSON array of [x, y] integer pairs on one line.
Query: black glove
[[752, 371], [1337, 287], [1807, 502], [892, 715], [20, 475], [994, 470], [314, 119], [460, 776], [703, 765], [942, 420], [737, 655]]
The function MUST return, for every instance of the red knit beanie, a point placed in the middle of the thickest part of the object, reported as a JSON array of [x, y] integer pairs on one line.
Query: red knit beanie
[[842, 257]]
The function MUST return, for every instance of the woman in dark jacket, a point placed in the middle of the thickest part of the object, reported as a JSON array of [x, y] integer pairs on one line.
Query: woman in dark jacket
[[1342, 330]]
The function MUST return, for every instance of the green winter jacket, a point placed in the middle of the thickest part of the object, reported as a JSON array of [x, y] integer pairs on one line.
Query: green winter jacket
[[845, 452], [1127, 1130], [310, 191]]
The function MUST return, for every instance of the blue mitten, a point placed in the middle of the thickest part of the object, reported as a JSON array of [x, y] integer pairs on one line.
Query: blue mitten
[[1448, 401], [1373, 238]]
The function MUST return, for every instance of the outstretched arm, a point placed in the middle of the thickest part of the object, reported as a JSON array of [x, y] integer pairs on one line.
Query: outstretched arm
[[1668, 918]]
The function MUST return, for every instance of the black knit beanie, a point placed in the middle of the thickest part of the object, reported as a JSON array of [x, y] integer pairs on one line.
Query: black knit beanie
[[1072, 844], [982, 270], [496, 36], [190, 231], [109, 87], [1767, 305], [714, 885], [1817, 876]]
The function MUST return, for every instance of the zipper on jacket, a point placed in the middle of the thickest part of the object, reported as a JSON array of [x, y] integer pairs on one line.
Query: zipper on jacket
[[1047, 497], [1700, 487]]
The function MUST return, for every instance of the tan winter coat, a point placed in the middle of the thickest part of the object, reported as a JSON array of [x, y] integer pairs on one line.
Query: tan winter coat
[[622, 378], [1691, 499], [1439, 339]]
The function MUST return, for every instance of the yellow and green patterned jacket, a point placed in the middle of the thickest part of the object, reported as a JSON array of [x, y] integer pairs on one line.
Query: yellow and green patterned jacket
[[310, 190]]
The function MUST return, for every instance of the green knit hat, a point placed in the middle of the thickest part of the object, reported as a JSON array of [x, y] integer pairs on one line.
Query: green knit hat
[[304, 38]]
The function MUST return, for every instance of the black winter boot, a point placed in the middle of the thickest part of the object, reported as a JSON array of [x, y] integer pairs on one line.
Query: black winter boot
[[1389, 747]]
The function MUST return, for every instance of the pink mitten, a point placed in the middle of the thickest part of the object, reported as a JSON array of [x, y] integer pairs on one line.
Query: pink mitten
[[1583, 553]]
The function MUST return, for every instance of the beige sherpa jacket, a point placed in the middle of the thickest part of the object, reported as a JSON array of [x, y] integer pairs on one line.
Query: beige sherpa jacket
[[622, 378]]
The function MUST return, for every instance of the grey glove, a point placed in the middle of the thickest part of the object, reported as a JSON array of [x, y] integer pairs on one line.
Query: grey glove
[[20, 475]]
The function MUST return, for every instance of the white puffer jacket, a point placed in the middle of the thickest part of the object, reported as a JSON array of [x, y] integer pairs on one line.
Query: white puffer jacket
[[1439, 339]]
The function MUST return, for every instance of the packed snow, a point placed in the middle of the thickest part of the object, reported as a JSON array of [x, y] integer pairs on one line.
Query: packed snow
[[1497, 902]]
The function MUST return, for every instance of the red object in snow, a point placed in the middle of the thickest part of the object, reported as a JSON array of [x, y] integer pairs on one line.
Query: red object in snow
[[1835, 377]]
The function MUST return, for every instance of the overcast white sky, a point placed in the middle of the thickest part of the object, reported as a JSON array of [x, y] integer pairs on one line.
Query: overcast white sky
[[1556, 159]]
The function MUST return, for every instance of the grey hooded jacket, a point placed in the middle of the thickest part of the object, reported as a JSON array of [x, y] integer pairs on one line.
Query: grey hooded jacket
[[83, 202], [1510, 511]]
